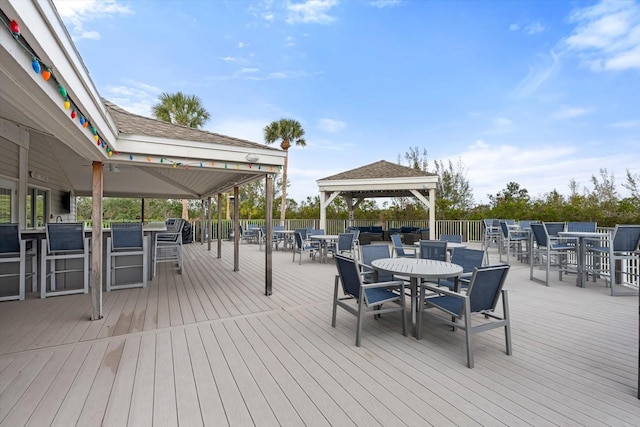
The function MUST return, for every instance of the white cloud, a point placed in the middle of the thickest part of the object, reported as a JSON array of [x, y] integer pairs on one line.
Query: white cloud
[[626, 124], [330, 125], [607, 35], [79, 12], [538, 74], [241, 45], [384, 3], [136, 97], [228, 59], [249, 70], [570, 112], [514, 27], [539, 168], [534, 28], [311, 12]]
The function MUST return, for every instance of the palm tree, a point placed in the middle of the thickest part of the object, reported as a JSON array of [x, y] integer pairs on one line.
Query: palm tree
[[186, 110], [288, 131]]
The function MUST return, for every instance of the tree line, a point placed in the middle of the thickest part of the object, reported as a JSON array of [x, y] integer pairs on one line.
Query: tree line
[[454, 195]]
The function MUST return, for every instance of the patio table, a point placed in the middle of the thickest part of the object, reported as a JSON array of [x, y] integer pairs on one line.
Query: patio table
[[417, 269], [324, 240], [581, 237]]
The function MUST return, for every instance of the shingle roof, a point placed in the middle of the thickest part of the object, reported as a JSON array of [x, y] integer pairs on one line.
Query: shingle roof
[[380, 169], [133, 124]]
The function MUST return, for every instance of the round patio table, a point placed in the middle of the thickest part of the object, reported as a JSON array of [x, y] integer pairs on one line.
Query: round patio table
[[417, 269]]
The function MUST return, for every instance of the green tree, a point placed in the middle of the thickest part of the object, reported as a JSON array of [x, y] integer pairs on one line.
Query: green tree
[[511, 202], [181, 109], [454, 195], [289, 132]]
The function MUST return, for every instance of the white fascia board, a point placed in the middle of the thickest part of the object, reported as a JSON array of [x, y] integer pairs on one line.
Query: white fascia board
[[38, 99], [374, 184], [173, 148], [46, 33]]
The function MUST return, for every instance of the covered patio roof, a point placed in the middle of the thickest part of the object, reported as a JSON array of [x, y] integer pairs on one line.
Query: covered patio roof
[[379, 179], [57, 135]]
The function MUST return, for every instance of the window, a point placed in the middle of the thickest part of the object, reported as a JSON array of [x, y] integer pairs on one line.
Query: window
[[7, 191], [37, 207]]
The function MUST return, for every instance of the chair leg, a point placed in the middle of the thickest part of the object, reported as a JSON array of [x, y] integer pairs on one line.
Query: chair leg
[[360, 315], [467, 331], [335, 301], [507, 326]]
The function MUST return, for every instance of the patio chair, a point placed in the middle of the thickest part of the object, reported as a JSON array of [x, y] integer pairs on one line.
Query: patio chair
[[302, 246], [544, 249], [468, 259], [433, 249], [64, 242], [401, 250], [611, 260], [127, 240], [511, 240], [483, 293], [344, 245], [15, 250], [553, 228], [453, 238], [366, 295], [370, 253], [168, 246], [491, 233], [250, 234]]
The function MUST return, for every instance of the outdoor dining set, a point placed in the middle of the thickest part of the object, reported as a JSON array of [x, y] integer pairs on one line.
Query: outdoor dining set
[[459, 284]]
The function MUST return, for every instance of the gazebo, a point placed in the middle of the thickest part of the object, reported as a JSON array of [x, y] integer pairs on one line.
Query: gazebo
[[377, 180]]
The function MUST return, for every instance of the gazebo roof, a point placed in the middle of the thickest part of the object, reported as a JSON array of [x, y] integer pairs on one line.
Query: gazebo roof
[[379, 179], [379, 169]]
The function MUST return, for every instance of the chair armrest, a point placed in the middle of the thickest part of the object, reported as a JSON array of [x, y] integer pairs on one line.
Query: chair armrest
[[442, 291], [393, 284]]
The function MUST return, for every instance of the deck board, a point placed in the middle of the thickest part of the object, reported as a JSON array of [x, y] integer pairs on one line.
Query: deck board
[[207, 347]]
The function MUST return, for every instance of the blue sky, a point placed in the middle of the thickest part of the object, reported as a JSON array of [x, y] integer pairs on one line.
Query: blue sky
[[537, 92]]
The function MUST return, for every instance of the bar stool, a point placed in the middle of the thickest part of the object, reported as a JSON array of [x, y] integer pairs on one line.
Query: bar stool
[[127, 240], [14, 250], [64, 242]]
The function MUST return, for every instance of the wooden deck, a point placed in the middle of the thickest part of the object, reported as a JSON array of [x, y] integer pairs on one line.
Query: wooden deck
[[208, 348]]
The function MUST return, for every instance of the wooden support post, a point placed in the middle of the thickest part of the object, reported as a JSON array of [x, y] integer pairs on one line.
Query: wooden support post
[[96, 242], [203, 231], [219, 225], [236, 229], [209, 208], [268, 272]]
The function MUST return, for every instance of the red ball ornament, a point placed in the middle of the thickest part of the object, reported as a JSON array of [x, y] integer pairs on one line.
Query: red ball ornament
[[73, 114], [15, 28]]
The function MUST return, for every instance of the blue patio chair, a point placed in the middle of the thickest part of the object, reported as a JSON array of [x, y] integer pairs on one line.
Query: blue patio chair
[[491, 233], [553, 228], [468, 259], [453, 238], [548, 251], [127, 240], [65, 241], [370, 253], [301, 246], [511, 240], [483, 293], [433, 249], [344, 245], [167, 247], [366, 295], [15, 250], [400, 250], [610, 261]]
